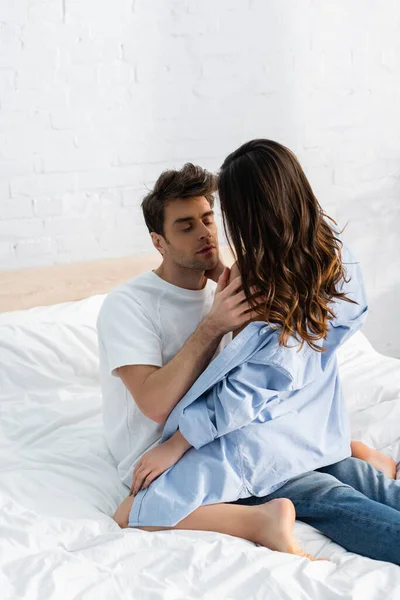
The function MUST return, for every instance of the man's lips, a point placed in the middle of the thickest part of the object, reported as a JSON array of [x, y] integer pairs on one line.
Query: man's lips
[[206, 249]]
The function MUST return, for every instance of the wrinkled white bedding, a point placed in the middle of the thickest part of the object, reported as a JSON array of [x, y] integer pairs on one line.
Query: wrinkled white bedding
[[59, 485]]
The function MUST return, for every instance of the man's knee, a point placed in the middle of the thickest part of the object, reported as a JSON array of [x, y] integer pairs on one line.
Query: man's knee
[[349, 469], [314, 486]]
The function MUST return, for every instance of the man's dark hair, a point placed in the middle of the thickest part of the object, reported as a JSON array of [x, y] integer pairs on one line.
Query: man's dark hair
[[188, 182]]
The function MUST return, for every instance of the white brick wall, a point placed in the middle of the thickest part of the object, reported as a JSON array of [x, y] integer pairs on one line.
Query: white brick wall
[[96, 98]]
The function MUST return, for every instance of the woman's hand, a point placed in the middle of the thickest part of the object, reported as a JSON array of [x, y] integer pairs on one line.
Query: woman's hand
[[157, 460]]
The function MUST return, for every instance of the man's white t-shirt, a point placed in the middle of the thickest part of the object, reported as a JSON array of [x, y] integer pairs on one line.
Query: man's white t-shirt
[[144, 321]]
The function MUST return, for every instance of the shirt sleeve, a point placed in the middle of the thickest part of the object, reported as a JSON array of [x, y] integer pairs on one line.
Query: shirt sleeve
[[233, 403], [349, 316], [127, 334]]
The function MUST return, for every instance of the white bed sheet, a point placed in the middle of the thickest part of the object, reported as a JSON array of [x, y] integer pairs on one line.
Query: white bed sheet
[[59, 486]]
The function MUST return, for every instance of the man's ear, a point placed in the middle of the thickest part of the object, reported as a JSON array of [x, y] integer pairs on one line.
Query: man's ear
[[158, 242]]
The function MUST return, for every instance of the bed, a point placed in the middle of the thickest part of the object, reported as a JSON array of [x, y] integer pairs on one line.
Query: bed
[[59, 485]]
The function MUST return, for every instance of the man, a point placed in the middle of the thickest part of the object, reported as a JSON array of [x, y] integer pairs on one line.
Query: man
[[158, 331]]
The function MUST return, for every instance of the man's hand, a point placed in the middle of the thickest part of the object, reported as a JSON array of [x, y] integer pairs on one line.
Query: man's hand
[[157, 460], [157, 390], [230, 309]]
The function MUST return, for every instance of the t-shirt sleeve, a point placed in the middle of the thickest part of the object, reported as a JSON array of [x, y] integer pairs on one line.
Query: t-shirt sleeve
[[127, 334]]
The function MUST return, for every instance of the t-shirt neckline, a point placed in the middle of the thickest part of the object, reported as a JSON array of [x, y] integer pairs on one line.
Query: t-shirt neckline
[[179, 290]]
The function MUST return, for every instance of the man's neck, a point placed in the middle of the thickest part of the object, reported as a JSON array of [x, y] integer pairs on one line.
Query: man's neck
[[189, 279]]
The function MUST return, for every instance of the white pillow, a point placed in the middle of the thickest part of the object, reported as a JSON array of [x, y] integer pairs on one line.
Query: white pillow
[[49, 348], [368, 377]]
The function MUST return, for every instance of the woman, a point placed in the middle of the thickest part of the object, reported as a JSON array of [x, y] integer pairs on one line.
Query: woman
[[269, 409]]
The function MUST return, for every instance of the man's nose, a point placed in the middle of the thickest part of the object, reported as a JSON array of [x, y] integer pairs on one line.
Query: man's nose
[[204, 233]]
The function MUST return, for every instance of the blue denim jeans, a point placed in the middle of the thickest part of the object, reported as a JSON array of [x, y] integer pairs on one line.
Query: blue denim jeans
[[352, 503]]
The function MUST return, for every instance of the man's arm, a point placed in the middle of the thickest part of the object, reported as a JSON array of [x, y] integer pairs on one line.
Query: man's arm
[[157, 390]]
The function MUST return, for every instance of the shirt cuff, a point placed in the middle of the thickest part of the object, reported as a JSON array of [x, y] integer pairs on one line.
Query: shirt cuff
[[195, 425]]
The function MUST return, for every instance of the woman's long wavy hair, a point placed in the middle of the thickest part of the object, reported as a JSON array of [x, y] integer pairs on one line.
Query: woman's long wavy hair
[[283, 241]]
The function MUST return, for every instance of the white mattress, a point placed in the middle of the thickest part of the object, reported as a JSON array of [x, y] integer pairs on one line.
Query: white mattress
[[59, 486]]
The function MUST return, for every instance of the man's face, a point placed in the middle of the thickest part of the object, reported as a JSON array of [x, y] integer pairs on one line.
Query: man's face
[[190, 234]]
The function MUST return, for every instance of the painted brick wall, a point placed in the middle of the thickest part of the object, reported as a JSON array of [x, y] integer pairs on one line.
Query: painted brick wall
[[96, 98]]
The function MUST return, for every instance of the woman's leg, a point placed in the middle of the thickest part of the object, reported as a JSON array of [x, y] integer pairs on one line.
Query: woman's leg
[[270, 525], [365, 524]]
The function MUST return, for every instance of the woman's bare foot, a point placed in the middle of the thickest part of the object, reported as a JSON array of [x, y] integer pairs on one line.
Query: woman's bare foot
[[377, 459], [275, 525]]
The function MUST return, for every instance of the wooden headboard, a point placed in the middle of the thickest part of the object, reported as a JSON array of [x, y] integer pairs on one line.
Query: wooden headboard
[[43, 286]]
